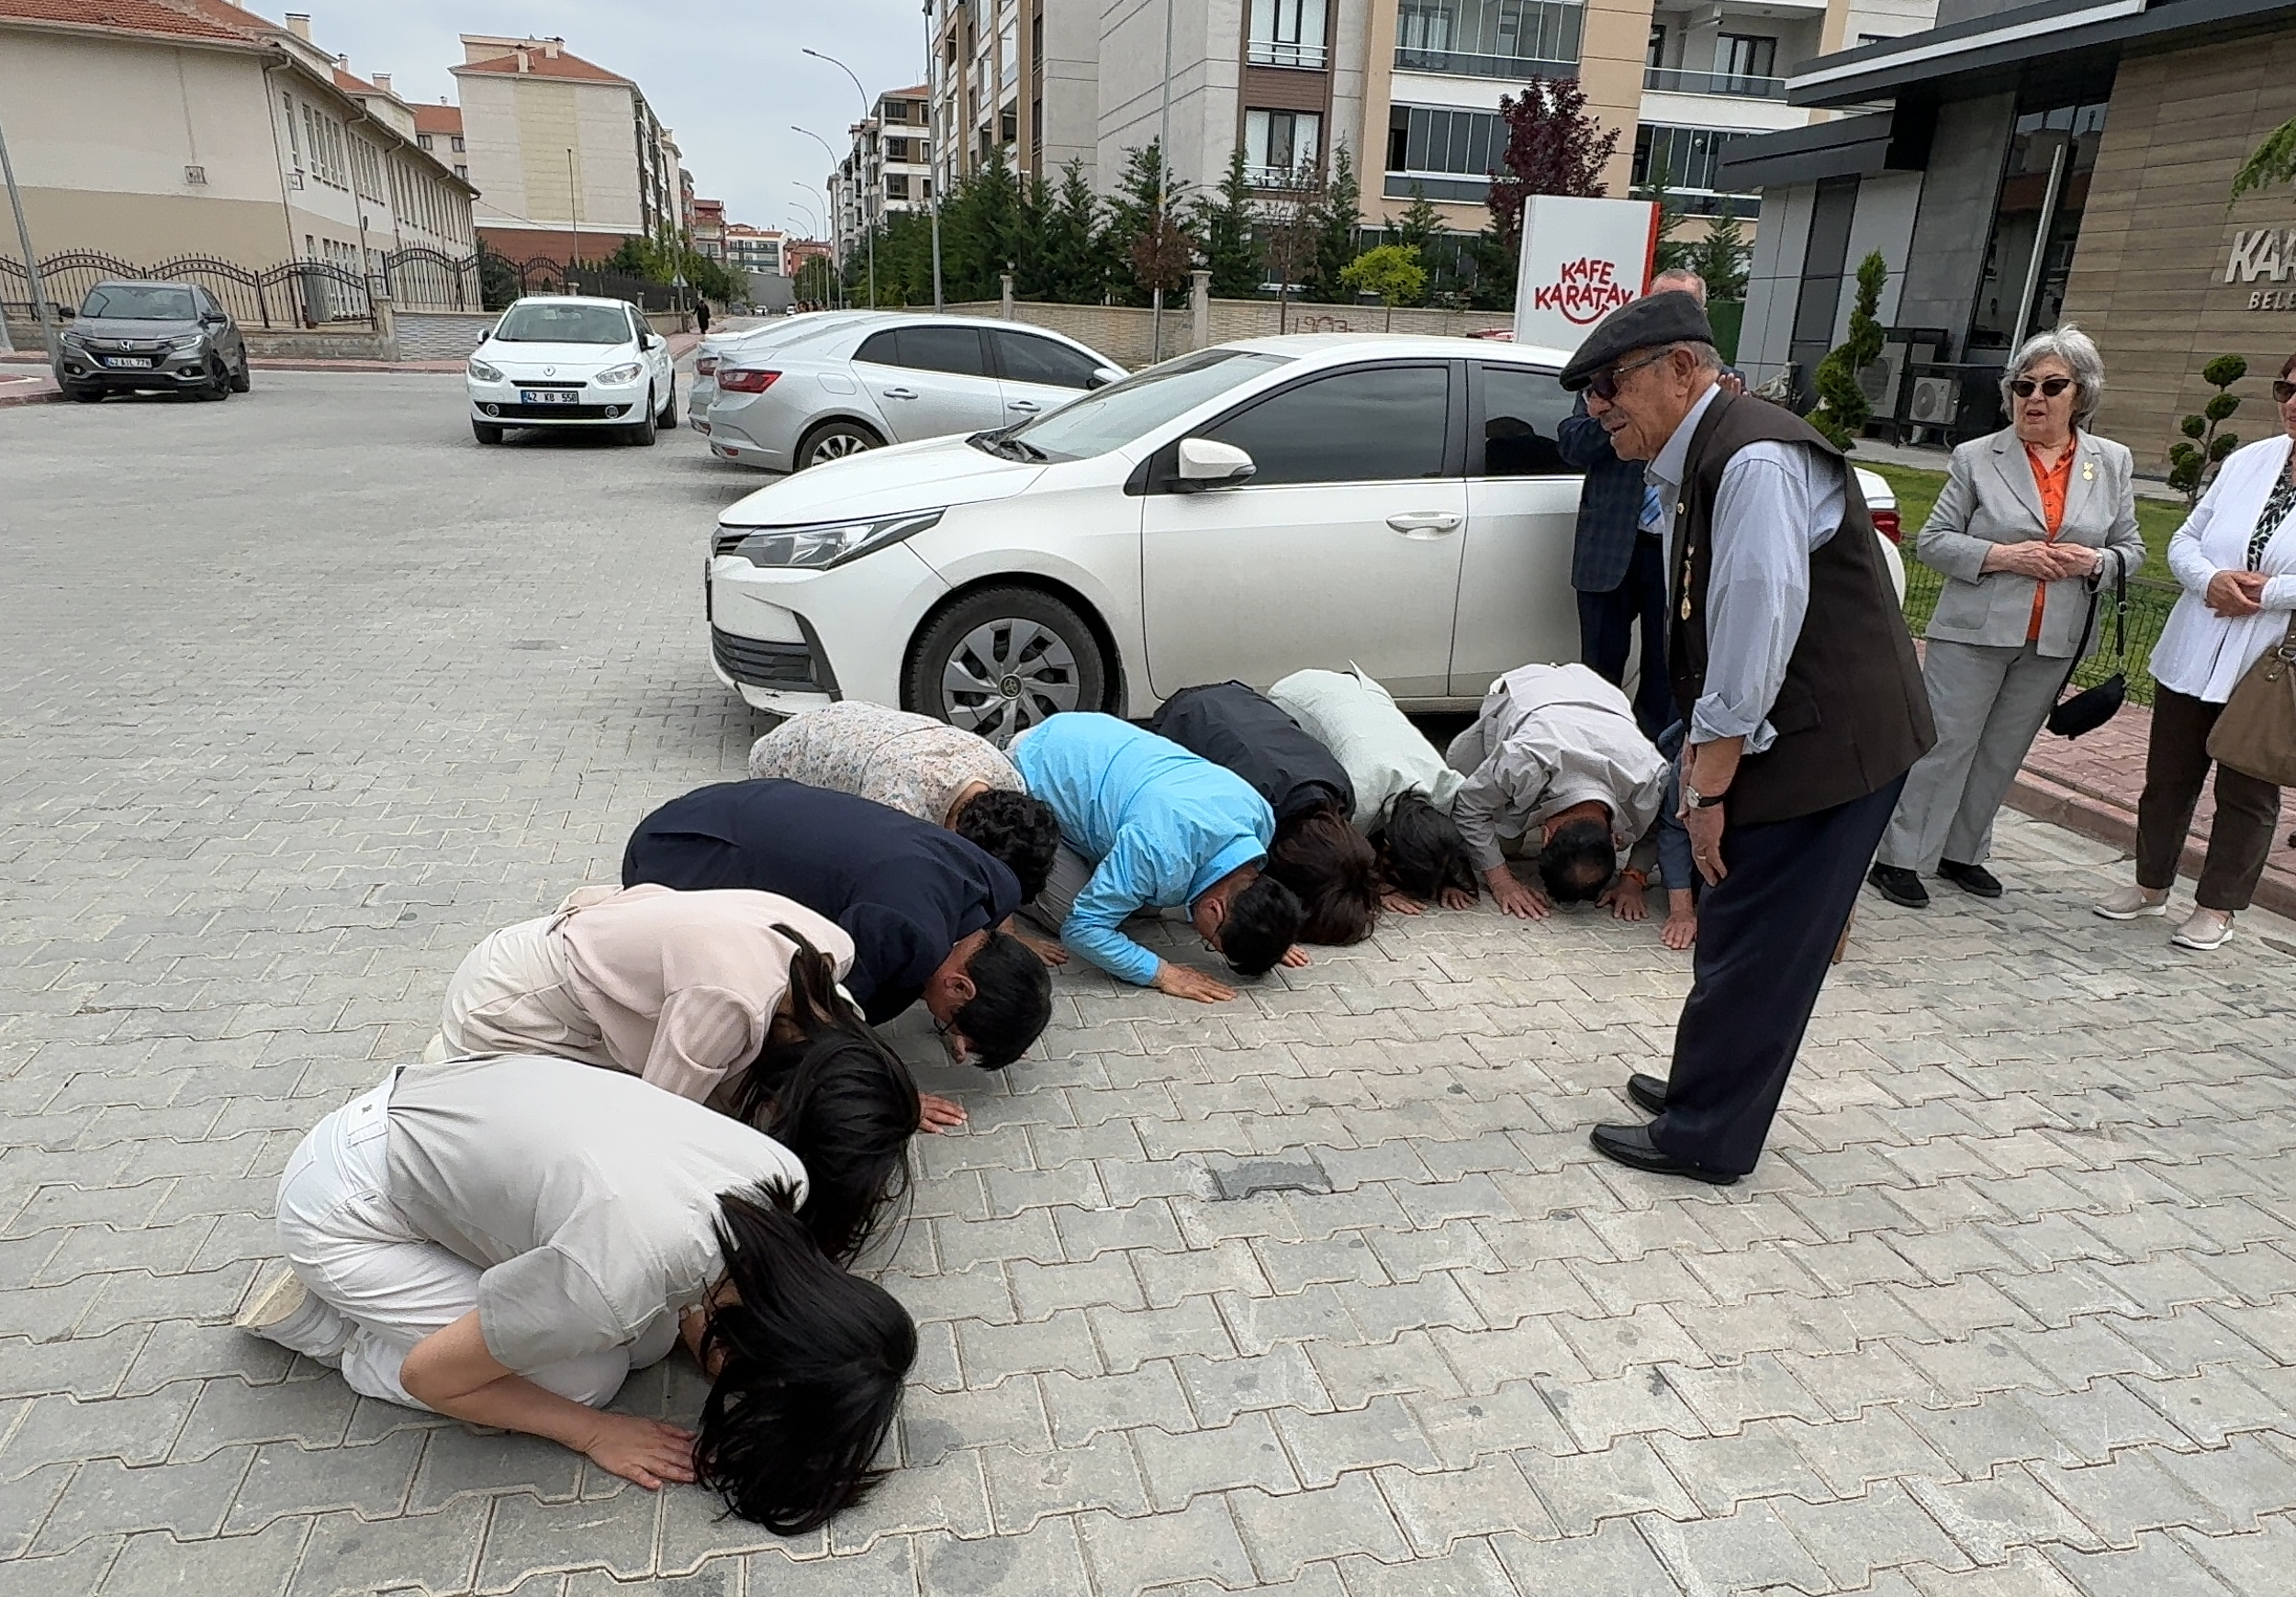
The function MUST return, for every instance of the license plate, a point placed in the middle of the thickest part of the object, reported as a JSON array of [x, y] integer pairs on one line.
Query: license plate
[[547, 397], [127, 361]]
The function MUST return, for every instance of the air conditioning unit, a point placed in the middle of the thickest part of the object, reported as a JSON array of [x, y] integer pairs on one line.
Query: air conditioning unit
[[1934, 400]]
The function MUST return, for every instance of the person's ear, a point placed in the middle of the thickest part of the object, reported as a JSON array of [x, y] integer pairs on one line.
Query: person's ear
[[961, 988]]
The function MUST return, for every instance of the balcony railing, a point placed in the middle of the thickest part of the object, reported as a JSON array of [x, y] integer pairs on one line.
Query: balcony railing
[[1679, 81], [1277, 53], [1468, 63]]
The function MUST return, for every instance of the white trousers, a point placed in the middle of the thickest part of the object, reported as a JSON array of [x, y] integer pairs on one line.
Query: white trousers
[[356, 1251], [510, 995]]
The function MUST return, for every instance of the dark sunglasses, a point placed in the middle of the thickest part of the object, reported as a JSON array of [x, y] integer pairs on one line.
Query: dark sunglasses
[[1603, 384], [2051, 387], [2283, 391]]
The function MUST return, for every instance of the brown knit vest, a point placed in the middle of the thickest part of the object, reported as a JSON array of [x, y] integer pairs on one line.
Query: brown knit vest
[[1852, 715]]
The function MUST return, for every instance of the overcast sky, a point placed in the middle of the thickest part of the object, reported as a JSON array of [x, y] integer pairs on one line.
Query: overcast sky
[[725, 75]]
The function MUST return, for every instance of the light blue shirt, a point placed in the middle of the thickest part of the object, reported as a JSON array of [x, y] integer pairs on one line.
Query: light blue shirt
[[1159, 825], [1777, 505]]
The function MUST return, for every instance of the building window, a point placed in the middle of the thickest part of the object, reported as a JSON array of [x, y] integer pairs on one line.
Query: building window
[[422, 141], [295, 144], [1489, 38], [1740, 57], [1281, 148], [1008, 124], [1866, 39], [2063, 139], [458, 144], [1682, 160], [461, 172], [896, 186], [1288, 33], [1445, 154], [1656, 56]]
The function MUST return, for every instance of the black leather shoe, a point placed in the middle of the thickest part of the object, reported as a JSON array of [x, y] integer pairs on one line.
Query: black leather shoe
[[1900, 887], [1631, 1145], [1971, 879], [1648, 1092]]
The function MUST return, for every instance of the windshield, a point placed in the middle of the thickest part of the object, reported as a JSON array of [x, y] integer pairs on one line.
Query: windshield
[[130, 302], [1112, 417], [564, 324]]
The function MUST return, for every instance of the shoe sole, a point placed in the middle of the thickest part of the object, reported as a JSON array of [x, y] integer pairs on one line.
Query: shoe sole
[[1976, 892], [2103, 913], [273, 1304], [2181, 940]]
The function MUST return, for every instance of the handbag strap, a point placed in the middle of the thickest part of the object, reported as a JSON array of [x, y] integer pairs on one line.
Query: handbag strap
[[2119, 622]]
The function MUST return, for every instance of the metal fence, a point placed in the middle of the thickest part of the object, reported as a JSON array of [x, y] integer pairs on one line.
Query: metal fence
[[544, 275], [292, 295], [2149, 603], [423, 279]]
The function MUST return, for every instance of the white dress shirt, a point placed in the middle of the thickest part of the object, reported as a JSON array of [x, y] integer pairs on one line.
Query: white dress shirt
[[1548, 737]]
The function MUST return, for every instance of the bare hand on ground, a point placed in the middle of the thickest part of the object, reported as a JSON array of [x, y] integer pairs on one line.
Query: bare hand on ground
[[1515, 899], [1052, 953], [1458, 899], [1402, 903], [1681, 928], [1187, 982], [1295, 957], [936, 1114], [1624, 898], [646, 1451]]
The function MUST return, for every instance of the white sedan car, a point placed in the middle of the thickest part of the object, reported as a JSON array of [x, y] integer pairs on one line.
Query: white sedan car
[[1242, 512], [559, 359], [726, 346]]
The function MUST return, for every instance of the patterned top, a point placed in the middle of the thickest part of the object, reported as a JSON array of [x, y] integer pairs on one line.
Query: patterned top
[[911, 762], [2276, 510]]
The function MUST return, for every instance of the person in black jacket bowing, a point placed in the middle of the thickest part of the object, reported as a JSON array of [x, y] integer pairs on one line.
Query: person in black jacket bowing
[[1795, 678]]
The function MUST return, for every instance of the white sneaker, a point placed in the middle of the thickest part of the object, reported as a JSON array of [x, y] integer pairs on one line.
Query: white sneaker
[[2207, 928], [2128, 903], [285, 1313]]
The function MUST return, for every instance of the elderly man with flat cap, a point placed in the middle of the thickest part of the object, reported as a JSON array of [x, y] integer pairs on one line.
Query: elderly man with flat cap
[[1796, 682]]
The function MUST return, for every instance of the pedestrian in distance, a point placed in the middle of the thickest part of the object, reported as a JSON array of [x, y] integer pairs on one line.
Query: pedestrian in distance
[[2235, 559], [502, 1239], [1557, 769], [1316, 851], [1402, 788], [921, 768], [702, 317], [1146, 825], [1618, 555], [926, 911], [2032, 520], [1796, 679]]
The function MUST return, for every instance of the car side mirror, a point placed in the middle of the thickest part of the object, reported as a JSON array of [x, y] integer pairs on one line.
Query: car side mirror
[[651, 341], [65, 313], [1101, 376], [1208, 463]]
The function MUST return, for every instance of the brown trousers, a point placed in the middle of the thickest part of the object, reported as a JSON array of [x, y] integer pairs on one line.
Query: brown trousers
[[2248, 810]]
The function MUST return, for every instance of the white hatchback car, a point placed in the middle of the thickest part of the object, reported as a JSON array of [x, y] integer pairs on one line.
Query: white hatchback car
[[557, 359], [1242, 512]]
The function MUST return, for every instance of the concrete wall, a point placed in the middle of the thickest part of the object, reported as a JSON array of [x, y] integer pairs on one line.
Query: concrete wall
[[2148, 279], [440, 335], [1206, 69], [517, 132]]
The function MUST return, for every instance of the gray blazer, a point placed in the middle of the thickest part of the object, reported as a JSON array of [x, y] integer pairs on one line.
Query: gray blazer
[[1989, 498]]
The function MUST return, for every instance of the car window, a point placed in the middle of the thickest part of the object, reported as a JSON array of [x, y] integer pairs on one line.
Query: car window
[[1124, 412], [543, 322], [1523, 412], [136, 302], [955, 350], [879, 349], [1382, 425], [1025, 358]]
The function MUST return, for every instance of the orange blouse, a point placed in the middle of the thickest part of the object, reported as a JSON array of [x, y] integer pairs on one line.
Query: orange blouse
[[2054, 482]]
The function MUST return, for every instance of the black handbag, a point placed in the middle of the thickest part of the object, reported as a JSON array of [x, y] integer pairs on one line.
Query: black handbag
[[2091, 708]]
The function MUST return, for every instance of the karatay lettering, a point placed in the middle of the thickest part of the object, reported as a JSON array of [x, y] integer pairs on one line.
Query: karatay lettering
[[1584, 291]]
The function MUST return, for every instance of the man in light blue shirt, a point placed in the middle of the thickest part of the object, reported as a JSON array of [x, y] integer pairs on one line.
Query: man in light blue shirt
[[1146, 825]]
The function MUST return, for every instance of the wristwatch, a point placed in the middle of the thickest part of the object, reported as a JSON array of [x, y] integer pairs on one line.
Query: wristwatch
[[1695, 799]]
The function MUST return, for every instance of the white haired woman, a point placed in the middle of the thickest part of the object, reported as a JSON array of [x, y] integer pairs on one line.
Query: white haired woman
[[2236, 558], [2032, 520]]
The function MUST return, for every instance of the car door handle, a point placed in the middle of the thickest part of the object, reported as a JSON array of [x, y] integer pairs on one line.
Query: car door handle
[[1425, 524], [901, 393], [1028, 405]]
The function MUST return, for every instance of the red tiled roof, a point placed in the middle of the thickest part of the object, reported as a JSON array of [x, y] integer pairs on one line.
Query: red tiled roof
[[438, 118], [352, 83], [561, 65], [148, 17]]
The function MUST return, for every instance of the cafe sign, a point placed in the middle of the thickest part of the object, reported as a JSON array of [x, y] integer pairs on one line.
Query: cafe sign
[[1582, 258], [2264, 255]]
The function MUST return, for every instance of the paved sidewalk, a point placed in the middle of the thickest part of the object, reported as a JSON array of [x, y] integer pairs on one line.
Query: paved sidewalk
[[1319, 1292]]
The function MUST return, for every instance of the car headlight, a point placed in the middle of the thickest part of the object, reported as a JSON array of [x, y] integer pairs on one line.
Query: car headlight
[[818, 547], [614, 375], [73, 340], [188, 342], [482, 373]]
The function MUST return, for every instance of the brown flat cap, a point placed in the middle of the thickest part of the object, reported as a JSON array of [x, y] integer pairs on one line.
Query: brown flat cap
[[1648, 323]]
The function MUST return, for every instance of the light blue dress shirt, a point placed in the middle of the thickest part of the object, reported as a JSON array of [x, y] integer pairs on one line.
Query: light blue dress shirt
[[1160, 825]]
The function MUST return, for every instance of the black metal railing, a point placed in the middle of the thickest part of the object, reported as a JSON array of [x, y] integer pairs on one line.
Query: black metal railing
[[2150, 601], [540, 274], [423, 279], [292, 295]]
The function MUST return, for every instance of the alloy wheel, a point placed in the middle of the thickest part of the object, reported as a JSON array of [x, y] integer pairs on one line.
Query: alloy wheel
[[837, 445], [1007, 675]]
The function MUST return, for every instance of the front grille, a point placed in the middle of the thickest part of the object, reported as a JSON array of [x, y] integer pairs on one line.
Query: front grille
[[763, 664], [555, 412], [544, 383], [726, 542]]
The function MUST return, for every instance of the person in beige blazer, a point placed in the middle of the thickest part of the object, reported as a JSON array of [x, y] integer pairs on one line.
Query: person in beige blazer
[[2032, 520]]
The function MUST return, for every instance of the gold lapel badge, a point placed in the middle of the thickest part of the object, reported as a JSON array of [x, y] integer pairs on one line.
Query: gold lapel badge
[[2089, 471]]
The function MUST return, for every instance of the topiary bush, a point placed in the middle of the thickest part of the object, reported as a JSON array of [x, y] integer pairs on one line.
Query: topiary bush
[[2193, 459], [1843, 408]]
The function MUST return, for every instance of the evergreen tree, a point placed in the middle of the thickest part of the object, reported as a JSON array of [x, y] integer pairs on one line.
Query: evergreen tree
[[1418, 229], [1132, 211], [1338, 218], [1842, 407], [1721, 258], [1228, 229], [1073, 255]]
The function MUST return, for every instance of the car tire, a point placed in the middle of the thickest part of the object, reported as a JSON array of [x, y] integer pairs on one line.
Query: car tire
[[667, 419], [640, 432], [217, 387], [91, 395], [485, 431], [834, 441], [1026, 654], [243, 379]]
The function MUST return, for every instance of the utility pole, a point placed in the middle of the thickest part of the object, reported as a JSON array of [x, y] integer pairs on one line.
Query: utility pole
[[1163, 189], [933, 149], [866, 111], [31, 262]]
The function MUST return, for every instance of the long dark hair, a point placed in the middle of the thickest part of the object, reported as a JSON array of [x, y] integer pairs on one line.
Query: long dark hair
[[1421, 850], [1330, 868], [840, 1099], [814, 1358]]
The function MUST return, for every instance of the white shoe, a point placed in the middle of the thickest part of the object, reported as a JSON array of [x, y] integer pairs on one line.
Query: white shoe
[[285, 1313], [2207, 928], [2128, 903]]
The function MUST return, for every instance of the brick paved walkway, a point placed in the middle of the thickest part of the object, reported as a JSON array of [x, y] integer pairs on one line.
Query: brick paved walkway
[[1318, 1293]]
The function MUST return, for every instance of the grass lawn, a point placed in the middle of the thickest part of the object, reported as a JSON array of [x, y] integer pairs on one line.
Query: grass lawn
[[1917, 490]]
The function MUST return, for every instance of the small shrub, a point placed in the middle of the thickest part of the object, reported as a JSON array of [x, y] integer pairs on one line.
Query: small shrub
[[1843, 408], [2193, 459]]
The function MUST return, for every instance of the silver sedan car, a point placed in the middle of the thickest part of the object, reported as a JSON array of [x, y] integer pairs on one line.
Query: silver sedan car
[[721, 346], [847, 384]]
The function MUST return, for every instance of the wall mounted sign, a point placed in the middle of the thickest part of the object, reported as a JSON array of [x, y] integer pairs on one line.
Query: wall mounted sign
[[1582, 258], [2265, 254]]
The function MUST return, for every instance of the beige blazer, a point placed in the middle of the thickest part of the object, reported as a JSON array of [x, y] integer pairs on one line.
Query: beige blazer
[[1990, 497]]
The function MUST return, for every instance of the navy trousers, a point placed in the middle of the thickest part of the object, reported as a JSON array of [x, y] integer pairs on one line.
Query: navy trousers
[[1766, 936], [1606, 634]]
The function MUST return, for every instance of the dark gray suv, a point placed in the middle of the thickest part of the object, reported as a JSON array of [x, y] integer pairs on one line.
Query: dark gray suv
[[160, 338]]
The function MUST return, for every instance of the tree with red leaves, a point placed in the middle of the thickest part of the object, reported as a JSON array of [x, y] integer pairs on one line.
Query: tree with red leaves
[[1554, 146]]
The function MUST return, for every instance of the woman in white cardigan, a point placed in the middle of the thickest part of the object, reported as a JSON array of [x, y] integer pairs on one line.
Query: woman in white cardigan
[[2032, 519], [2235, 557]]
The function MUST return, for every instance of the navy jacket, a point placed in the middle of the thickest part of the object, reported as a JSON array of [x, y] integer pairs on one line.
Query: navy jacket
[[1229, 724], [907, 891], [1609, 506]]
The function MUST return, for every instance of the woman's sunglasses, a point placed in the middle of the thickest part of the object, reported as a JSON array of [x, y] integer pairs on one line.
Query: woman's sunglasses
[[2283, 391], [2050, 387], [1603, 384]]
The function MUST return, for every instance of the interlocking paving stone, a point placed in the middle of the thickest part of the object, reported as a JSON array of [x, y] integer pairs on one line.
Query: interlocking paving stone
[[1318, 1292]]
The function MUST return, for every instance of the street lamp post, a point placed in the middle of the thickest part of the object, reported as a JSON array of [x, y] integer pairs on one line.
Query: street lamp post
[[829, 200], [31, 266], [858, 89], [837, 278], [1163, 187], [932, 148]]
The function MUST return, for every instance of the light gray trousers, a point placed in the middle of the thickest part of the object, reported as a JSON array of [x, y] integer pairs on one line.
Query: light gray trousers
[[1989, 703]]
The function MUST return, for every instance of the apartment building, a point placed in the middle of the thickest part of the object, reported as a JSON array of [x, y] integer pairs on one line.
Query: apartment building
[[1411, 87], [439, 129], [889, 169], [708, 229], [758, 249], [568, 157], [220, 132]]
